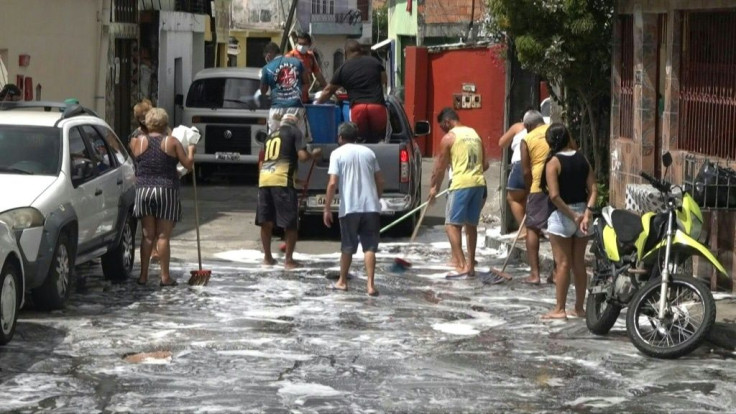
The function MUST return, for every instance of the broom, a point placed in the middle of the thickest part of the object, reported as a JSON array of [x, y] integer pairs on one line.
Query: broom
[[198, 277], [502, 273], [403, 264]]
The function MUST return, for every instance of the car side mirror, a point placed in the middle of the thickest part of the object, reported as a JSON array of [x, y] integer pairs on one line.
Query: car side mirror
[[666, 159], [179, 99], [422, 128], [261, 136], [82, 169]]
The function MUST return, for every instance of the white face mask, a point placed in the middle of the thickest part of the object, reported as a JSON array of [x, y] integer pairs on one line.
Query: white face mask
[[302, 48]]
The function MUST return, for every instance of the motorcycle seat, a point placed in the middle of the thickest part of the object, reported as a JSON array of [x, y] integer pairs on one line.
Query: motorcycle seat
[[627, 226]]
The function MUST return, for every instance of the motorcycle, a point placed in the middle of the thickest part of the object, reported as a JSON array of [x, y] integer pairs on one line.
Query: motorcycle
[[640, 263]]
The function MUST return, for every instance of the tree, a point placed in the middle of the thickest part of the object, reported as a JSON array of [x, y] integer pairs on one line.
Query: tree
[[567, 43]]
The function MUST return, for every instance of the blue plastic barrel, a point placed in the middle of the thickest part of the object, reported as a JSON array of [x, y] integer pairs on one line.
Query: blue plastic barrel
[[345, 110], [323, 122]]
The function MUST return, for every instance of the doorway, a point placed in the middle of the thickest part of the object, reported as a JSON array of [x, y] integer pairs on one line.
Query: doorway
[[122, 78]]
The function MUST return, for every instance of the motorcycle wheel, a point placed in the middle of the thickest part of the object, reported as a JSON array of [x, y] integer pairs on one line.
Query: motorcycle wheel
[[690, 314], [600, 315]]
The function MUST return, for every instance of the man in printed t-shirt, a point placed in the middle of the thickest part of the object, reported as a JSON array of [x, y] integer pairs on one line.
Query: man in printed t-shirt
[[287, 79], [277, 198]]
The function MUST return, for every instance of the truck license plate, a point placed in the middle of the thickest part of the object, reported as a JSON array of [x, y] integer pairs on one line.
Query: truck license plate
[[227, 156], [319, 201]]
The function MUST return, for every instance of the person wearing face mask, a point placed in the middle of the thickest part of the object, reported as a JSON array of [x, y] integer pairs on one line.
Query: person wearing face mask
[[304, 53], [287, 80]]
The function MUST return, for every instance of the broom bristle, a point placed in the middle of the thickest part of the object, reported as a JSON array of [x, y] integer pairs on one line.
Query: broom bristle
[[199, 277], [401, 262]]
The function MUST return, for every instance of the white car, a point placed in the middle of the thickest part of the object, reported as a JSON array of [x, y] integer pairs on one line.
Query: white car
[[220, 103], [68, 190], [11, 283]]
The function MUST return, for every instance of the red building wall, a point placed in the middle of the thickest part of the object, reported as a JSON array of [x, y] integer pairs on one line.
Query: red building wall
[[434, 79]]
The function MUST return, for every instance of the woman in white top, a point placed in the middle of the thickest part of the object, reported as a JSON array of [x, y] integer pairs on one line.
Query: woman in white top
[[515, 188]]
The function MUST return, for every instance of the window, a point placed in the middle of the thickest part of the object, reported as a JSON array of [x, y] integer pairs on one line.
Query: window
[[100, 152], [233, 93], [113, 144], [30, 150], [78, 154]]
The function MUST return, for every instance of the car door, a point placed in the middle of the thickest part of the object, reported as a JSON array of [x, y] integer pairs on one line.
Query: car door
[[86, 203], [108, 181]]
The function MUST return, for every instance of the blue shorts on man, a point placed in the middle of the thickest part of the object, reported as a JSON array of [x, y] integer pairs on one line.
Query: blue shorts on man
[[464, 206]]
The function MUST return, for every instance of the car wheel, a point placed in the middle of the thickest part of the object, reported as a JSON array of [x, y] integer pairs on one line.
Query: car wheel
[[9, 301], [55, 289], [117, 264]]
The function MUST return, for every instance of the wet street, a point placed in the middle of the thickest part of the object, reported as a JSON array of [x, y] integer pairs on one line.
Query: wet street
[[265, 340]]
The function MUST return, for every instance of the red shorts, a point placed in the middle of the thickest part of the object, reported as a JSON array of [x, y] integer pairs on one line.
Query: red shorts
[[371, 119]]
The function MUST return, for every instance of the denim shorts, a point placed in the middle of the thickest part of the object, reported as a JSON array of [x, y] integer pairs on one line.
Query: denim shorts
[[561, 225], [516, 178], [464, 206]]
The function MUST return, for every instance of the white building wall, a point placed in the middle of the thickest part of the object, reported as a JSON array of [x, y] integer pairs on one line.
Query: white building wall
[[64, 42], [181, 36]]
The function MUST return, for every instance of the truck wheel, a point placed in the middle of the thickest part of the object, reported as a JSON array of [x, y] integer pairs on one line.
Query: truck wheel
[[117, 264], [55, 289], [9, 301]]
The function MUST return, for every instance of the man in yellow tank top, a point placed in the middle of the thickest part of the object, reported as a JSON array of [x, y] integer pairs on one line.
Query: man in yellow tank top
[[462, 150], [534, 151]]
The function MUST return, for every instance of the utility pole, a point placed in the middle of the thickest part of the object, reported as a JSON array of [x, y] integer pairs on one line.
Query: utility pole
[[287, 27]]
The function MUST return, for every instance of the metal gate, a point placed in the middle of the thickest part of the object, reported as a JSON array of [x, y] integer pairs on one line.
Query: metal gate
[[708, 84]]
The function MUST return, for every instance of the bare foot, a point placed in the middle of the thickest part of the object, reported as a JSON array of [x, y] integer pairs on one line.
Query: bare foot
[[338, 286], [576, 314], [269, 261], [372, 291], [531, 280], [555, 314], [292, 264]]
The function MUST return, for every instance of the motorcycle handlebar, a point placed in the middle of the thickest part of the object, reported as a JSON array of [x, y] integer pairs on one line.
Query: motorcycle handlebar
[[661, 185]]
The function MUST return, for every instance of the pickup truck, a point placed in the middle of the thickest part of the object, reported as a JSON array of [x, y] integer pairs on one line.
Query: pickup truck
[[400, 160]]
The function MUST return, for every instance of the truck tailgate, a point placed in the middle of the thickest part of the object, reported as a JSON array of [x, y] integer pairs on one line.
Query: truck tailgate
[[388, 160]]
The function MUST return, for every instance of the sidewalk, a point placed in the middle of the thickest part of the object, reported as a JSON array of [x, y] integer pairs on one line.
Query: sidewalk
[[723, 333]]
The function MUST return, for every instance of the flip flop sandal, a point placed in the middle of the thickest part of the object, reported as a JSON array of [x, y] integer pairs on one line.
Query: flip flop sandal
[[332, 286], [491, 278], [459, 276]]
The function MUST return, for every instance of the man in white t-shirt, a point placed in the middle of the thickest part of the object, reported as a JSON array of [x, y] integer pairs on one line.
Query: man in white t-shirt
[[355, 171]]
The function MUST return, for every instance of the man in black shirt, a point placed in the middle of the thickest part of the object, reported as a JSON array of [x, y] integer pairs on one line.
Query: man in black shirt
[[364, 78]]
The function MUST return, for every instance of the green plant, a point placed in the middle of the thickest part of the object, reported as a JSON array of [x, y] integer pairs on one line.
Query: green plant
[[603, 193]]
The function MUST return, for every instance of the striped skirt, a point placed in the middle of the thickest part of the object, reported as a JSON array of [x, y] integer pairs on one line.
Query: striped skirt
[[159, 202]]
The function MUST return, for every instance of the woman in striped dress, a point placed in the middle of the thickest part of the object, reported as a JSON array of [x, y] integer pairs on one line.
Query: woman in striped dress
[[157, 202]]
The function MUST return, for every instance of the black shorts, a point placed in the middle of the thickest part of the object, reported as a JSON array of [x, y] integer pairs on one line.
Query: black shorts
[[277, 205], [360, 227], [538, 209]]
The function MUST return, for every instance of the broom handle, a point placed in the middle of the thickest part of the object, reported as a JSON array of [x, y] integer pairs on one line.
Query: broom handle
[[196, 215], [419, 224], [513, 244], [405, 216]]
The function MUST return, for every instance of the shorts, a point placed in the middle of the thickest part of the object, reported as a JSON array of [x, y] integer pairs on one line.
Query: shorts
[[516, 178], [159, 202], [464, 206], [561, 225], [538, 209], [363, 228], [371, 119], [277, 205], [485, 193], [275, 114]]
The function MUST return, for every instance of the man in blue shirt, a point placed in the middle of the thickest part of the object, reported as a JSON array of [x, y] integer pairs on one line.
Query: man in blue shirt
[[287, 79]]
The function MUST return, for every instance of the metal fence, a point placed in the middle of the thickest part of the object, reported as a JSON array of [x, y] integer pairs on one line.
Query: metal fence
[[711, 183], [708, 84], [124, 11]]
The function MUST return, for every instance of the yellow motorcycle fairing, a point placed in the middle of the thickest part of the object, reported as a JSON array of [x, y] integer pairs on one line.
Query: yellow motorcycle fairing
[[685, 243], [646, 221]]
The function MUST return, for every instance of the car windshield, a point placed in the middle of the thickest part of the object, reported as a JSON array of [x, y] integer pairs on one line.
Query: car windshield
[[30, 150], [227, 93]]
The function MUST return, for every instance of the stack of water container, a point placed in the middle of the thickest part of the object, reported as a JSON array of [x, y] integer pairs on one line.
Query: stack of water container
[[324, 119]]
